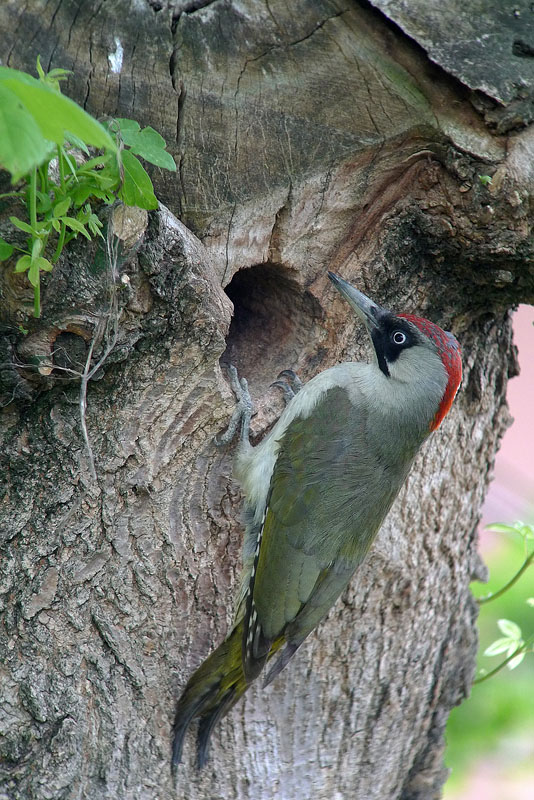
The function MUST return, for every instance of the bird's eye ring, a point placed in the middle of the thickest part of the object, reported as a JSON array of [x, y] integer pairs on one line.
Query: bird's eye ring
[[398, 337]]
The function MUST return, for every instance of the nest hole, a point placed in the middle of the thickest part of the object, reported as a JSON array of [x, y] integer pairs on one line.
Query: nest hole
[[276, 325]]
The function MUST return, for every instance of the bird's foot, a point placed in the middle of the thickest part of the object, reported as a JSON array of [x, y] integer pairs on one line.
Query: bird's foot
[[290, 386], [242, 412]]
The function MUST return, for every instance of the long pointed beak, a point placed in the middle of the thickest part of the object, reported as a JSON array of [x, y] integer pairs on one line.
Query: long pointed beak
[[369, 312]]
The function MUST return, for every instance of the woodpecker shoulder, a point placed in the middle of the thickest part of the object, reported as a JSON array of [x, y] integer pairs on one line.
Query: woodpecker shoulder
[[364, 383], [254, 465]]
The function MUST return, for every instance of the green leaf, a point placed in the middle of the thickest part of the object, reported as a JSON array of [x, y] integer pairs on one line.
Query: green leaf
[[45, 265], [23, 264], [515, 662], [509, 628], [56, 225], [95, 185], [95, 225], [108, 180], [37, 265], [37, 246], [6, 249], [125, 125], [86, 190], [54, 76], [151, 146], [59, 74], [40, 70], [44, 203], [499, 527], [22, 146], [69, 161], [33, 273], [87, 167], [23, 226], [75, 141], [137, 189], [76, 225], [498, 646], [150, 137], [62, 207], [54, 114]]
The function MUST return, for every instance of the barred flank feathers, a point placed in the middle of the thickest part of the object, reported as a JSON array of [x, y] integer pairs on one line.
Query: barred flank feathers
[[255, 646]]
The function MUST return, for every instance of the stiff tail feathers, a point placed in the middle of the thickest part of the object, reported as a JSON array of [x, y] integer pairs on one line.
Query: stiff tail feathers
[[212, 691]]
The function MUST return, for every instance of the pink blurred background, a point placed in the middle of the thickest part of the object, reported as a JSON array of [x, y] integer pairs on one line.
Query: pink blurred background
[[511, 495], [509, 775]]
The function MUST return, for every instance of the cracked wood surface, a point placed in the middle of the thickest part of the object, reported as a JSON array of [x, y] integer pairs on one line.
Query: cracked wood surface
[[488, 46], [308, 136]]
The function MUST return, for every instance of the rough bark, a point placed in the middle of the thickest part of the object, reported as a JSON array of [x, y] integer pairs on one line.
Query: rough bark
[[308, 136]]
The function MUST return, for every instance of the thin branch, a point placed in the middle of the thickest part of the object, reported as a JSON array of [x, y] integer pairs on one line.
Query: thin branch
[[83, 409], [493, 595], [101, 332]]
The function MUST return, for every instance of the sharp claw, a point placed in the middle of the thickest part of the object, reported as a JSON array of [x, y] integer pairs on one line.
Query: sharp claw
[[289, 394], [291, 386], [288, 373], [293, 379], [242, 412]]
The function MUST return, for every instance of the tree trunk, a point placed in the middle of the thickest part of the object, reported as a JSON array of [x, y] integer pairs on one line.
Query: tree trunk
[[309, 135]]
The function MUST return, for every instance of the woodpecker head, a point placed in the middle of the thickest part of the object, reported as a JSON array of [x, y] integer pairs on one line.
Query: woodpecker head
[[409, 349]]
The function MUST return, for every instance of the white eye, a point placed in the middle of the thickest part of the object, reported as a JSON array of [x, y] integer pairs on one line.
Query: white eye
[[398, 337]]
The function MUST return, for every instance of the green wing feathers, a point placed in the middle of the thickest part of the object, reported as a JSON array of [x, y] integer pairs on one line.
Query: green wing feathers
[[319, 525]]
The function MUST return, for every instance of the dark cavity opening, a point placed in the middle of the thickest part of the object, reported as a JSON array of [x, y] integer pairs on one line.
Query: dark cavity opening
[[276, 325], [522, 49], [69, 353]]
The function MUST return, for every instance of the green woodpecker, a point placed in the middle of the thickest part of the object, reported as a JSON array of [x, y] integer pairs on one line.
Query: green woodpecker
[[317, 490]]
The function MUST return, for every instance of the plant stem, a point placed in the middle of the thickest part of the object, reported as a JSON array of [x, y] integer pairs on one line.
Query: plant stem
[[60, 243], [33, 197], [61, 165], [37, 299], [493, 596], [524, 647], [33, 223], [43, 177]]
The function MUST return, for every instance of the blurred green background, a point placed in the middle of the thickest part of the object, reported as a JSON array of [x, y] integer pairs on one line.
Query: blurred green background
[[490, 737]]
